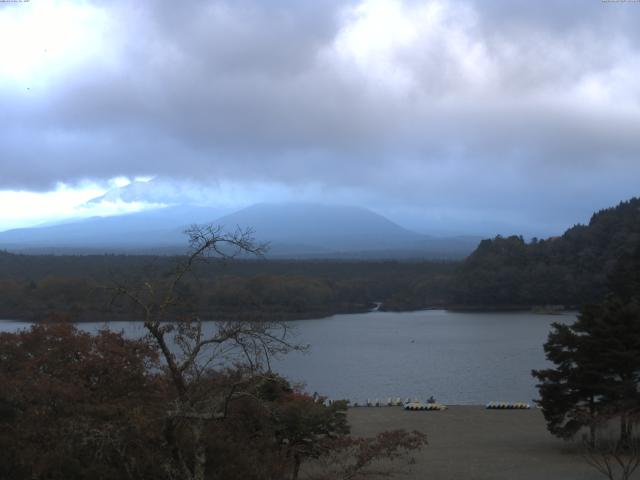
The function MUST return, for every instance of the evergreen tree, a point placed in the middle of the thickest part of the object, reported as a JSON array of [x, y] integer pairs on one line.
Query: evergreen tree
[[624, 281], [597, 370], [569, 394], [611, 332]]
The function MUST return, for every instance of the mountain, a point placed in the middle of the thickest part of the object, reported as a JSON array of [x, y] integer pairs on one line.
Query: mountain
[[321, 228], [316, 231], [573, 269], [152, 229], [293, 230]]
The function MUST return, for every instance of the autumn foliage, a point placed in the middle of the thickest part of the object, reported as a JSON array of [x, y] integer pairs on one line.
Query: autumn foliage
[[75, 406]]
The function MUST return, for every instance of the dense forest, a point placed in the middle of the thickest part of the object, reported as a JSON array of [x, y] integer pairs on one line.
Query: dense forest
[[81, 287], [569, 270], [505, 272]]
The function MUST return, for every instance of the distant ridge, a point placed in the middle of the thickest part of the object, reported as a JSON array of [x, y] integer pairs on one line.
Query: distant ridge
[[321, 228], [158, 228], [293, 231]]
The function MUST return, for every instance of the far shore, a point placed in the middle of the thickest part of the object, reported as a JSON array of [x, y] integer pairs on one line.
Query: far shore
[[473, 443], [316, 315]]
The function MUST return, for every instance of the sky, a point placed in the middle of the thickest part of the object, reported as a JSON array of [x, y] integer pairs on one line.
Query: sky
[[448, 116]]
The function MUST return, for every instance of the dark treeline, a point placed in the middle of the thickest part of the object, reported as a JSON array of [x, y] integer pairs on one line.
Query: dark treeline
[[77, 287]]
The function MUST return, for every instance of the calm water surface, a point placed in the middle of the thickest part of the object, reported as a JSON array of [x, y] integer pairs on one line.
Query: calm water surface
[[459, 358]]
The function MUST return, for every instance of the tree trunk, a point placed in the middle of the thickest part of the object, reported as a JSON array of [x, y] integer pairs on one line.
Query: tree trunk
[[176, 454], [625, 432], [592, 435], [296, 466], [592, 422], [200, 451]]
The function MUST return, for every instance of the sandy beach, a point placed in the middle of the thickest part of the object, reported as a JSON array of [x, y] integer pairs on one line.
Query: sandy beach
[[470, 442]]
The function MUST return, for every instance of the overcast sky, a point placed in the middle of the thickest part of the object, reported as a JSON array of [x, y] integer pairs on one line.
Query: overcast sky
[[485, 116]]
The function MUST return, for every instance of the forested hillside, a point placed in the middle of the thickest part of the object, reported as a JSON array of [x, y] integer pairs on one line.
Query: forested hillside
[[78, 287], [569, 270]]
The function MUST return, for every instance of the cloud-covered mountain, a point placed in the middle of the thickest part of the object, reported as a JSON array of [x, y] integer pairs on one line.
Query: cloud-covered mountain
[[324, 230], [151, 229], [157, 192], [293, 230]]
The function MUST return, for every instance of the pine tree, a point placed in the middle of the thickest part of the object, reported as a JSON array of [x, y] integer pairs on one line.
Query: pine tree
[[597, 361], [568, 393]]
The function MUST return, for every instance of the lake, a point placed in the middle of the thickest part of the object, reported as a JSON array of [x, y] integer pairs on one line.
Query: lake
[[459, 358]]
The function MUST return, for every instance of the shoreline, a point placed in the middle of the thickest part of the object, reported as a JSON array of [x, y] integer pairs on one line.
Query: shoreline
[[289, 317]]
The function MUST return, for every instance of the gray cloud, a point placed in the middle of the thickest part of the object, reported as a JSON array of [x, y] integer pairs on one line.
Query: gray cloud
[[503, 108]]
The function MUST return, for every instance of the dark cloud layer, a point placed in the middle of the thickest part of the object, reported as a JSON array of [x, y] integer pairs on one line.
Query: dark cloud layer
[[504, 109]]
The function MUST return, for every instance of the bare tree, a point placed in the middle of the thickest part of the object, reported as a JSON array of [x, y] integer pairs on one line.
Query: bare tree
[[612, 461], [612, 457], [191, 349]]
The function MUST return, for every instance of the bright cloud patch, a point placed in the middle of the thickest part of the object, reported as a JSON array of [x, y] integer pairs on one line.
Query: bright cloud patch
[[23, 209], [40, 40]]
